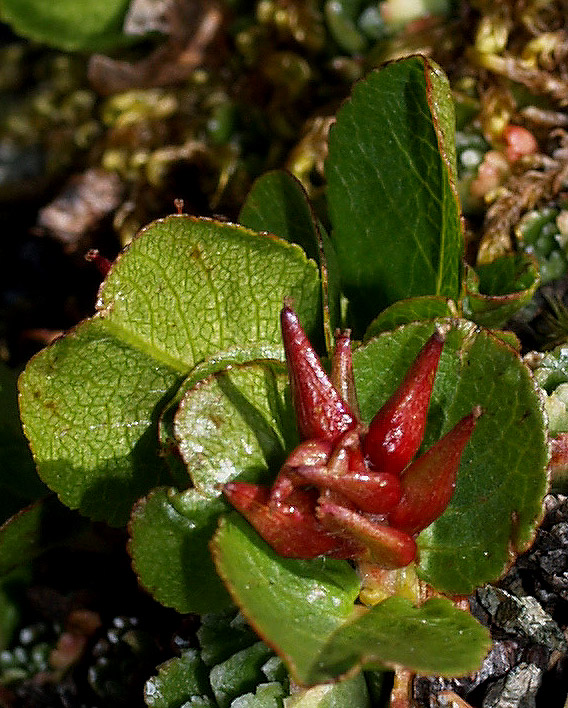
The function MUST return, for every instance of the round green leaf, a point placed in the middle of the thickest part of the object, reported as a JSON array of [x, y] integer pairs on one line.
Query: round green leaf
[[236, 423], [89, 25], [435, 638], [293, 604], [187, 292], [324, 635], [89, 404], [502, 477], [169, 533], [392, 200]]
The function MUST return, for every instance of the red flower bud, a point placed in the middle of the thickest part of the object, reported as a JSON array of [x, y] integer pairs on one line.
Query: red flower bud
[[375, 493], [347, 474], [341, 492], [307, 454]]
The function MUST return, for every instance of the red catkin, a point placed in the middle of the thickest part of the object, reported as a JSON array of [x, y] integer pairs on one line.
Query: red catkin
[[429, 482], [397, 430], [320, 411]]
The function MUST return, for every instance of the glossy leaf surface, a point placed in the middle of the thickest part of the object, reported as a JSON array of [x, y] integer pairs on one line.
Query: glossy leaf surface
[[169, 536], [326, 635], [236, 425], [392, 202], [411, 310], [186, 292], [278, 203]]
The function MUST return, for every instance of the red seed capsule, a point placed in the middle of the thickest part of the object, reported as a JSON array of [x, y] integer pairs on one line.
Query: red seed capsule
[[376, 493], [397, 430], [429, 482], [342, 375], [308, 453], [387, 546], [292, 529], [321, 413]]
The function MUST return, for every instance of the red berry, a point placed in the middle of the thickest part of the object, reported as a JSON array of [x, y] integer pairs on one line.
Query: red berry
[[519, 142]]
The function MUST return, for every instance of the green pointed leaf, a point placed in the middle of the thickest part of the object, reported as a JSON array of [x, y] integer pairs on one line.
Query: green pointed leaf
[[326, 635], [180, 680], [236, 424], [412, 310], [496, 290], [89, 25], [350, 692], [502, 477], [169, 536], [279, 204], [391, 189], [187, 292], [239, 674]]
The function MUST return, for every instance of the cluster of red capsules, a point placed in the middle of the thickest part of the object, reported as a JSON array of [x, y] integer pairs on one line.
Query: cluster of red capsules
[[350, 490]]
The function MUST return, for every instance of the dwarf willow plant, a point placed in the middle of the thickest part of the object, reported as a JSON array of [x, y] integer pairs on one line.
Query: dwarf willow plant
[[177, 386]]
